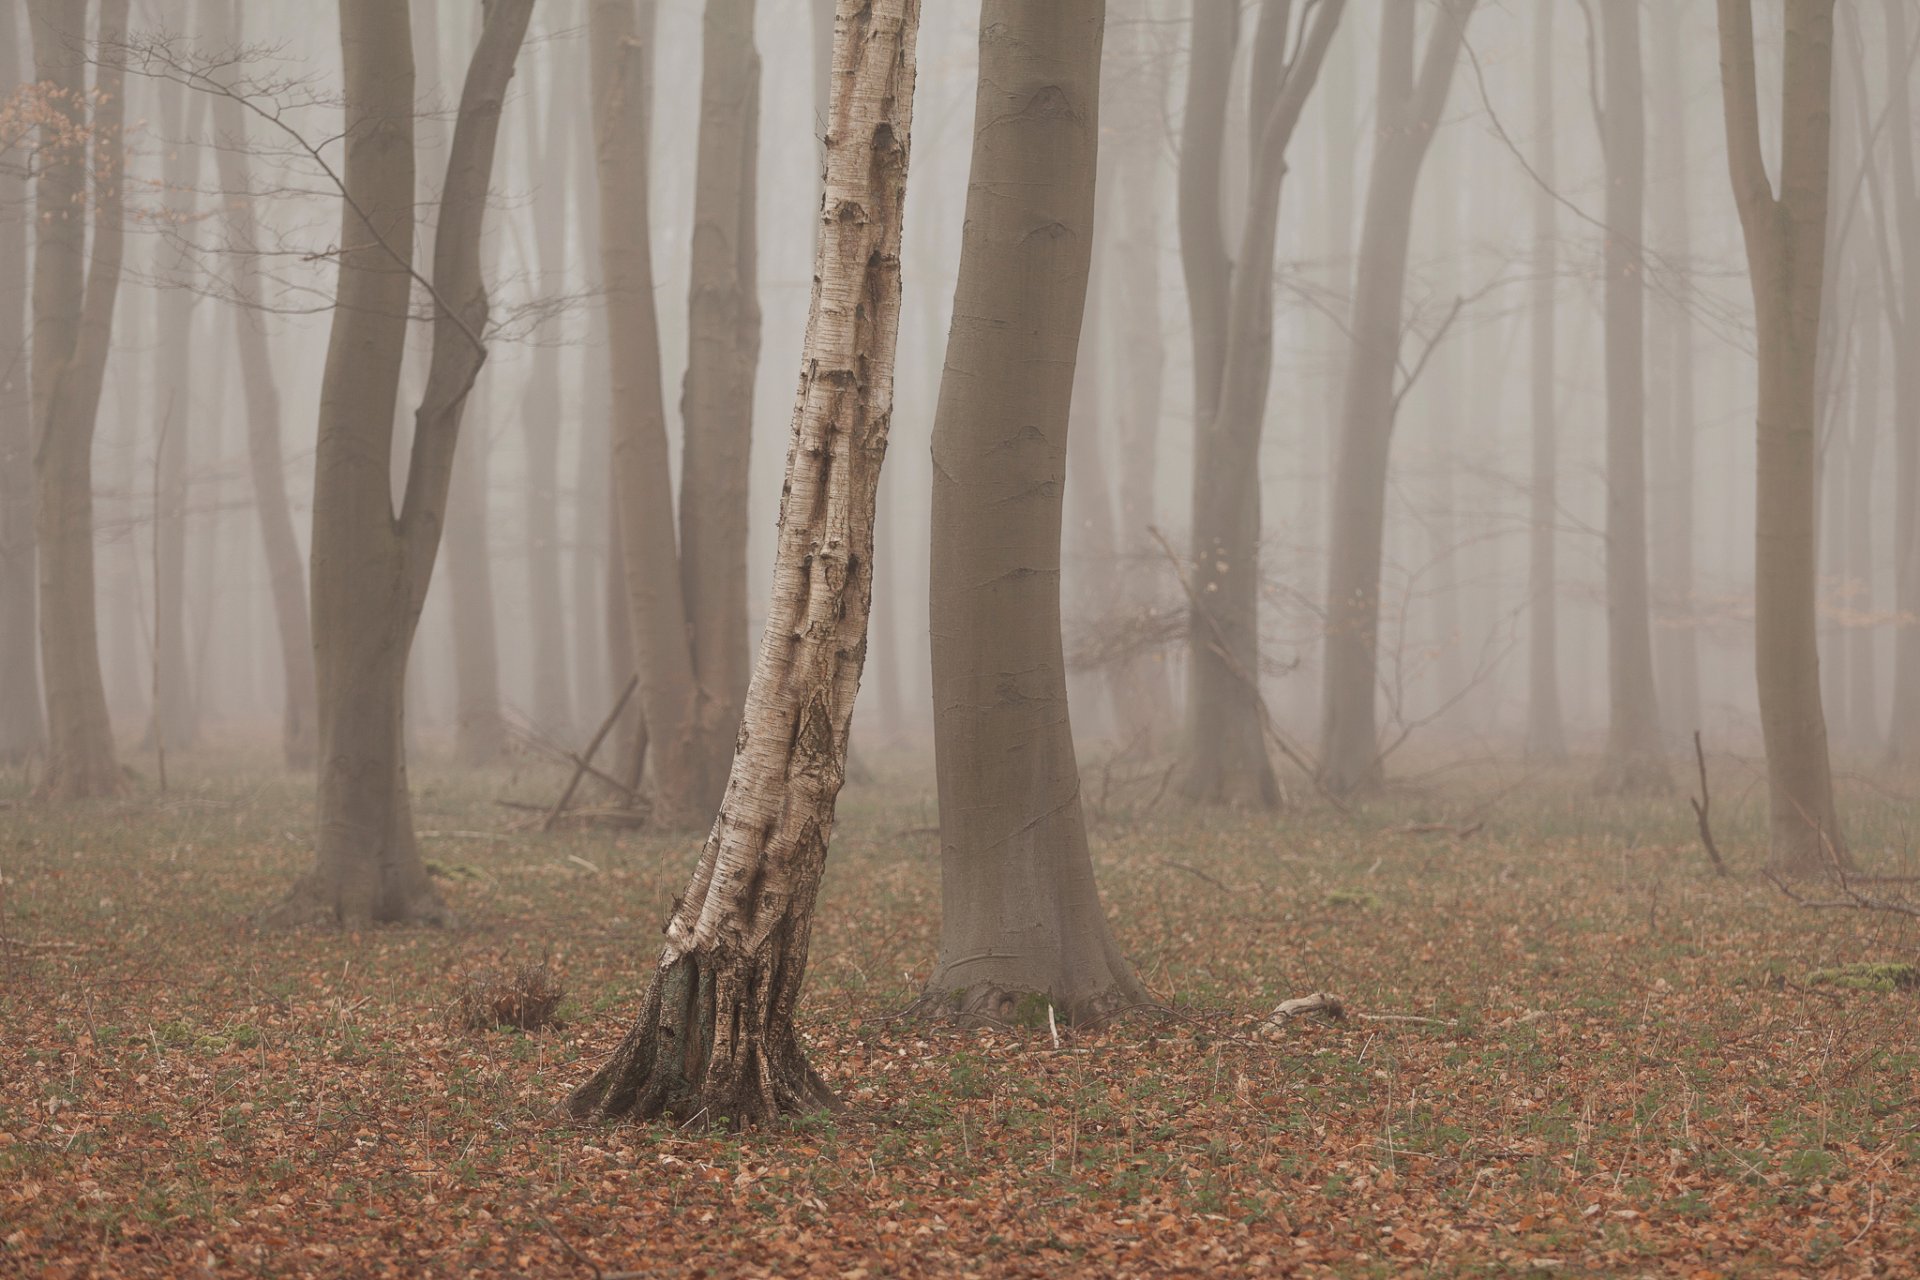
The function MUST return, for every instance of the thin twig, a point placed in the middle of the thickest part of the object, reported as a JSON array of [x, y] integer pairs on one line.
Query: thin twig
[[1702, 805]]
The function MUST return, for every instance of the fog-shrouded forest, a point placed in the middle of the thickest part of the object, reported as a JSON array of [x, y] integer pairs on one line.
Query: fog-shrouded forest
[[1377, 543]]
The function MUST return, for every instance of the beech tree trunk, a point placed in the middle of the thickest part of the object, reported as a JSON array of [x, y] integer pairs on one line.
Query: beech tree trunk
[[715, 1038], [75, 286], [1546, 729], [371, 568], [1865, 710], [479, 731], [23, 730], [1020, 914], [1633, 764], [1786, 237], [1226, 748], [1903, 306], [1406, 114]]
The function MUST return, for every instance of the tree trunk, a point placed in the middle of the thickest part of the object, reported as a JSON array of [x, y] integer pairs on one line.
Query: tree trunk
[[22, 727], [715, 1038], [1021, 917], [1633, 764], [371, 568], [1546, 730], [73, 302], [677, 711], [1786, 256], [1863, 443], [479, 731], [1903, 304], [1407, 113]]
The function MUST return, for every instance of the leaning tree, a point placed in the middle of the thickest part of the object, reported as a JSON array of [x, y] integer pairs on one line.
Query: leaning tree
[[715, 1037]]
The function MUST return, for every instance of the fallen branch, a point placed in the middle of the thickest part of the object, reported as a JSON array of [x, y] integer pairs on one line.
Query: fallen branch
[[1318, 1002], [1853, 901], [584, 763], [1195, 871], [1701, 808], [1443, 829]]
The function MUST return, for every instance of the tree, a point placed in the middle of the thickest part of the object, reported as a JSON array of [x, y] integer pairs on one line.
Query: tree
[[266, 459], [74, 290], [22, 726], [1546, 731], [1020, 914], [715, 1036], [372, 566], [1407, 113], [1226, 747], [1786, 238]]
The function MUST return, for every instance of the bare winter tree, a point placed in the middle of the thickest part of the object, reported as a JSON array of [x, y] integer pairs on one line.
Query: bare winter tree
[[1786, 238], [1546, 729], [715, 1037], [1020, 914], [1226, 746], [1407, 113], [22, 726], [371, 566], [75, 286]]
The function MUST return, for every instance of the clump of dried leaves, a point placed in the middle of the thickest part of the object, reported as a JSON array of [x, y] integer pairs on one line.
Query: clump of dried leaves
[[526, 997]]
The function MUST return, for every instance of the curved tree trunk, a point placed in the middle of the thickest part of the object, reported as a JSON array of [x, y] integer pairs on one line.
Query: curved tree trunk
[[1407, 113], [1786, 240], [715, 1038], [73, 303], [1546, 730], [23, 731], [1020, 914]]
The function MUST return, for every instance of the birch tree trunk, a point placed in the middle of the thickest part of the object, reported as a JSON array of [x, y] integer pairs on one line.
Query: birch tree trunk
[[715, 1038], [1406, 114], [1020, 914], [23, 731], [75, 286], [371, 568], [1546, 729], [1786, 256], [1633, 764]]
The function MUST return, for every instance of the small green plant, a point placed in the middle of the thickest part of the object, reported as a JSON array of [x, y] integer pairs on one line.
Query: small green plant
[[1359, 899], [1883, 976]]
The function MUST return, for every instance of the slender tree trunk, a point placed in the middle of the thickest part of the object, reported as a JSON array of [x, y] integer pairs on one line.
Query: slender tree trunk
[[1903, 304], [1863, 443], [1020, 914], [715, 1038], [1407, 113], [1786, 255], [1546, 731], [1633, 763], [23, 730], [723, 352], [75, 286], [371, 568], [479, 730]]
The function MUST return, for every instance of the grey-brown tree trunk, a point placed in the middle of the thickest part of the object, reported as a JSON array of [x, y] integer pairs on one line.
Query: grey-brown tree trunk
[[715, 1039], [1786, 237], [1902, 209], [1546, 726], [23, 730], [1020, 913]]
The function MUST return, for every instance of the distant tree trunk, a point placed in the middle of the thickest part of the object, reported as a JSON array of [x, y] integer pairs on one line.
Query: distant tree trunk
[[73, 302], [1407, 113], [1546, 730], [1020, 914], [723, 352], [1226, 754], [1903, 308], [23, 730], [371, 568], [1676, 641], [479, 731], [1863, 443], [675, 708], [715, 1038], [1786, 257], [1633, 763]]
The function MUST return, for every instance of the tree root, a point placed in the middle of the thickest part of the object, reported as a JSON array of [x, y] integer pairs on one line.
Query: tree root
[[312, 902]]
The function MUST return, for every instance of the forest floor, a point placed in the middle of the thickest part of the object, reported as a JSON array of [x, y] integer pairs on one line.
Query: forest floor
[[1622, 1065]]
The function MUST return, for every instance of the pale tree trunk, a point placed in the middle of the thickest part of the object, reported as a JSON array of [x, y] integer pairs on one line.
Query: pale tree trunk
[[715, 1039], [1546, 729], [676, 710], [371, 568], [1226, 748], [479, 731], [75, 286], [174, 724], [22, 727], [1786, 258], [1633, 764], [723, 352], [1406, 114], [1088, 576], [1020, 914], [1865, 711], [1902, 210], [1676, 641]]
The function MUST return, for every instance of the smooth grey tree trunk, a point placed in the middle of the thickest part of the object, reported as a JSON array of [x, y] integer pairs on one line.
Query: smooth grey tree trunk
[[1407, 112], [23, 730], [75, 286], [1020, 915], [1546, 728], [1902, 200], [715, 1039], [1865, 712], [479, 730]]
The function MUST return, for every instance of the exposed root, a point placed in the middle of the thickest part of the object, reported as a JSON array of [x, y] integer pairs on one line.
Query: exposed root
[[313, 902]]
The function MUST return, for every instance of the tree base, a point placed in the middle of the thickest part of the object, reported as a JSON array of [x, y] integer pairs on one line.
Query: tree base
[[711, 1044], [313, 902], [1000, 1004]]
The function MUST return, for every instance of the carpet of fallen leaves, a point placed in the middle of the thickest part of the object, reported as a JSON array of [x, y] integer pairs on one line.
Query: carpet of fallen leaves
[[1571, 1050]]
